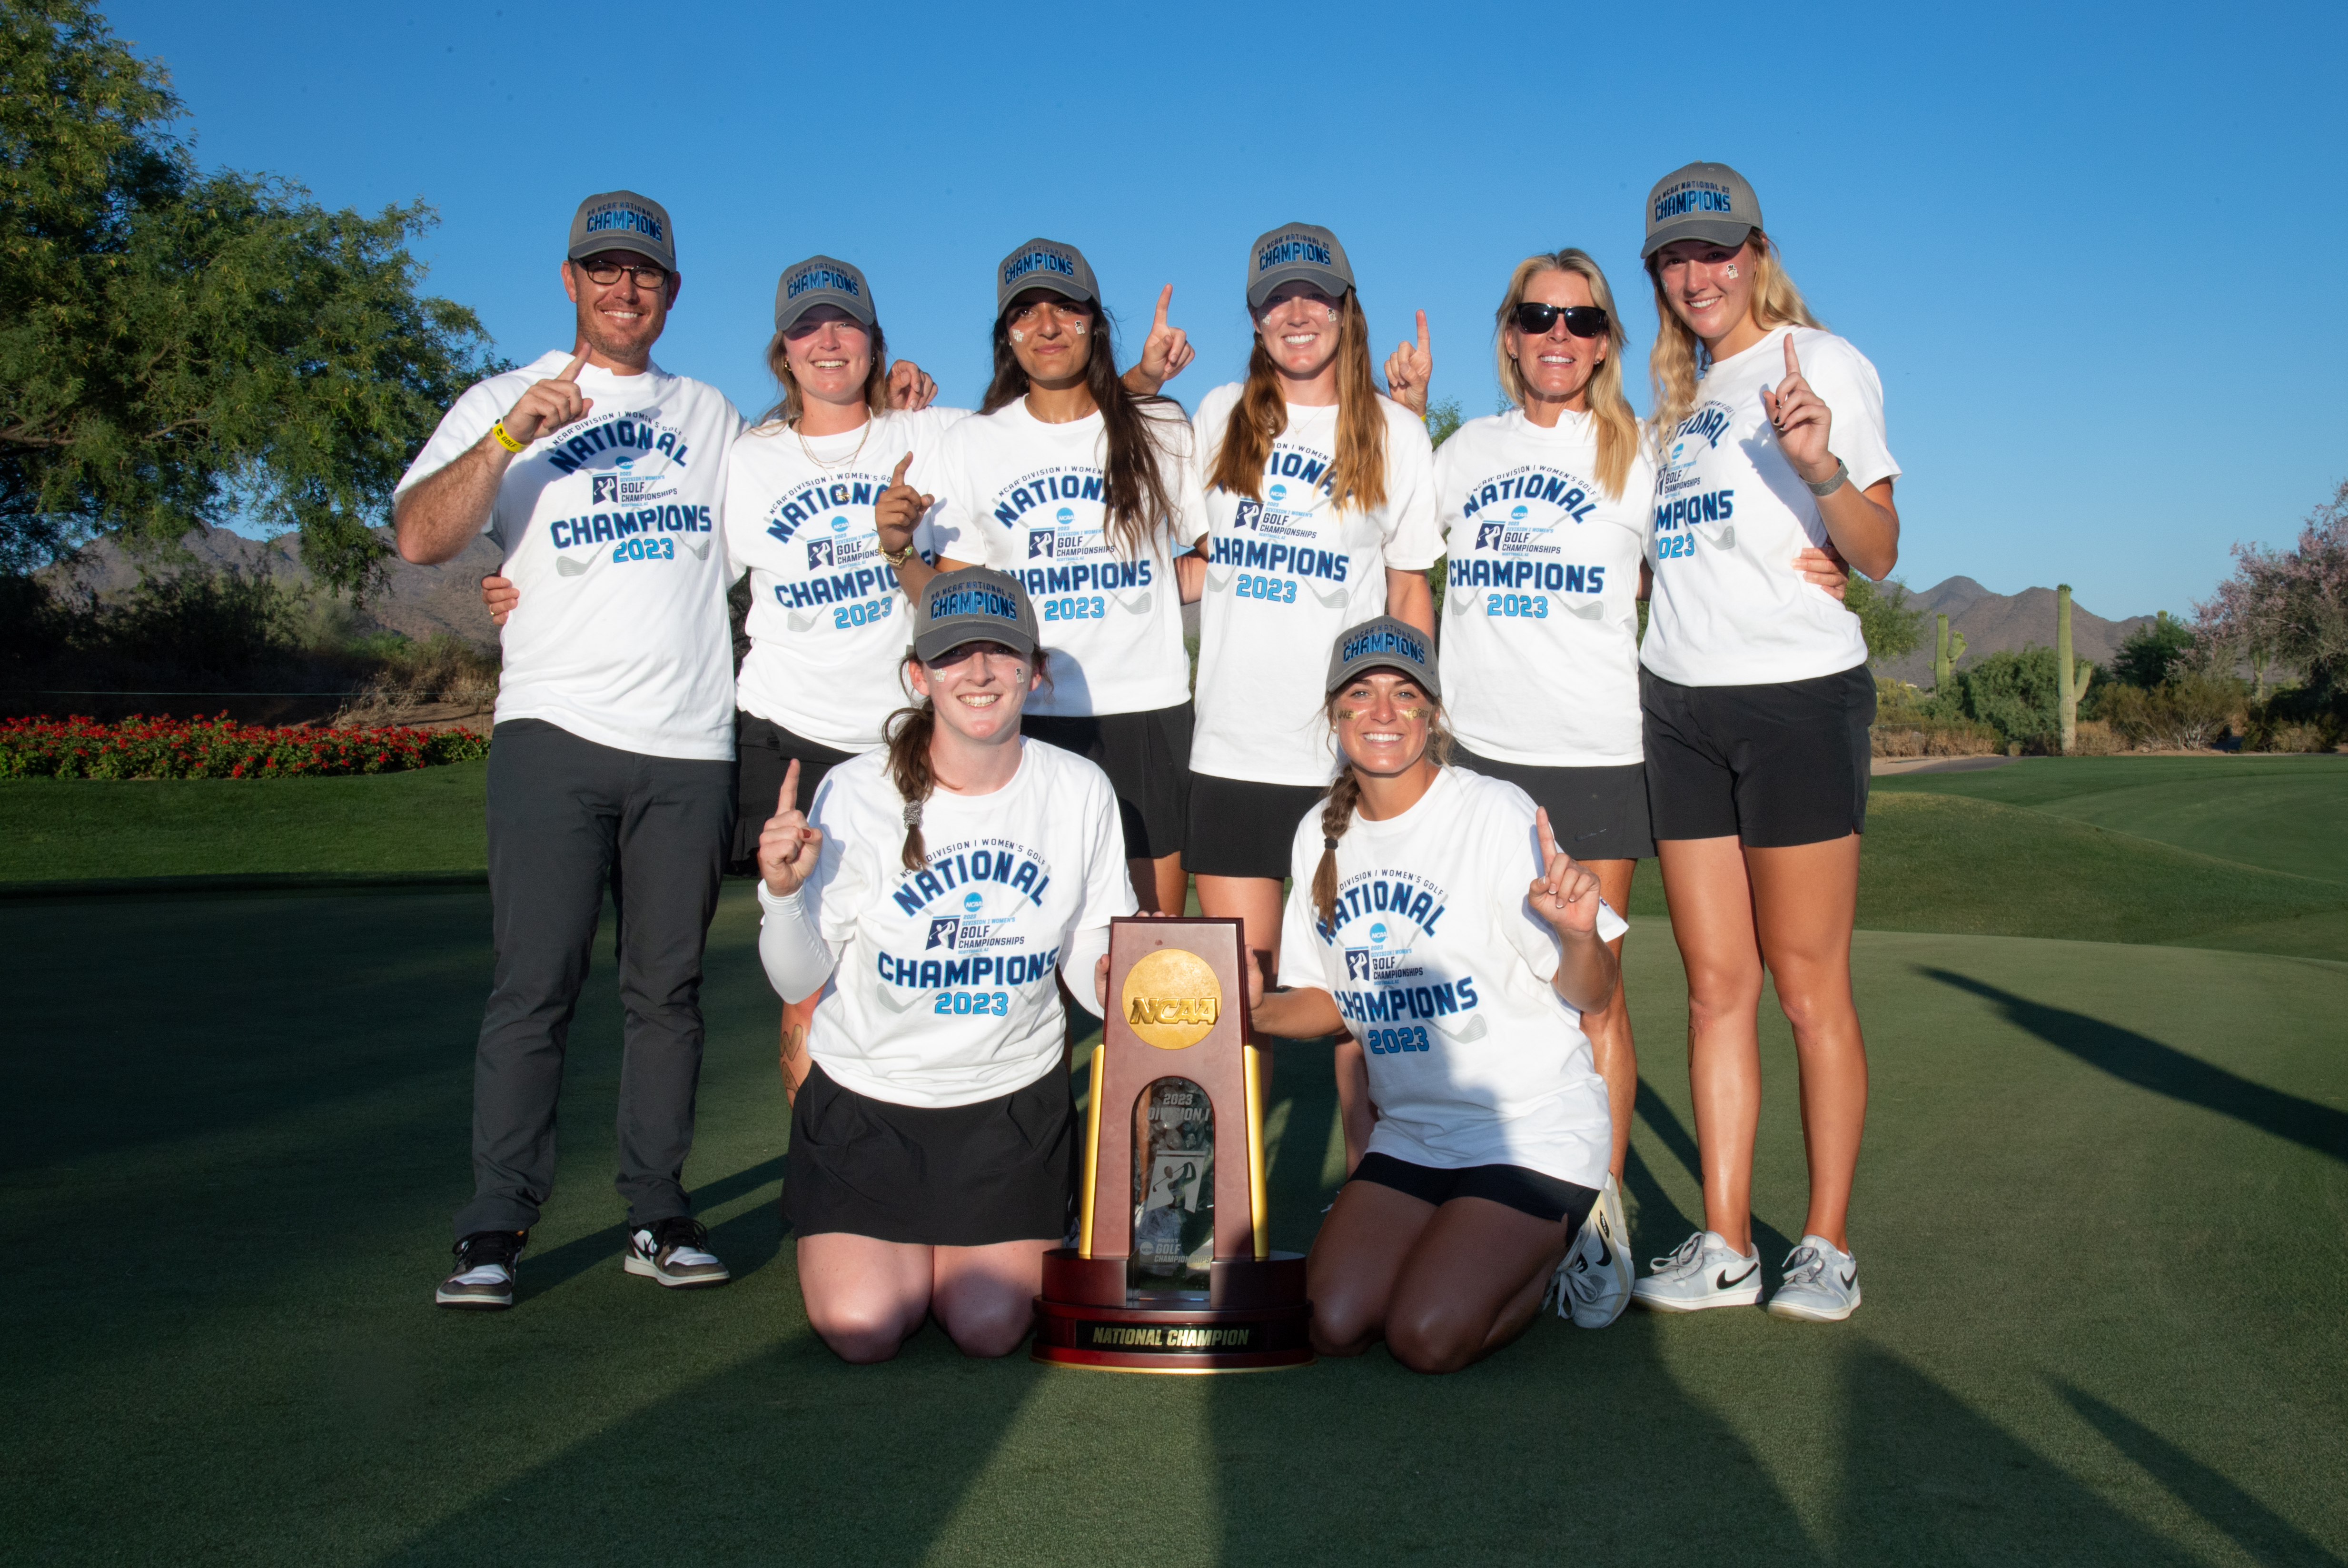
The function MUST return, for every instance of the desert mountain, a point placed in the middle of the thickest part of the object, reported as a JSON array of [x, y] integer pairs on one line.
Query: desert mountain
[[419, 602], [1993, 622]]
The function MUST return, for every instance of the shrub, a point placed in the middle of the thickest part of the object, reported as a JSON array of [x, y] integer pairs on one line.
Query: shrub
[[2011, 692], [2153, 654], [2095, 738], [2184, 713], [77, 747], [2294, 720]]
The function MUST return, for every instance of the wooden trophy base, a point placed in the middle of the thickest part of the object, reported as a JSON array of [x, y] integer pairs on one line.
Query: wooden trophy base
[[1255, 1318]]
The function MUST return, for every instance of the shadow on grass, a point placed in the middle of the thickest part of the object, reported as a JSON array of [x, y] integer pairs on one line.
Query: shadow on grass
[[747, 1241], [2147, 1064], [2242, 1519]]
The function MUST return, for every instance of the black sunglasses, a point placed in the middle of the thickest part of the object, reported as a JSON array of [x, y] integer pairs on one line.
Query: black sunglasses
[[1582, 320]]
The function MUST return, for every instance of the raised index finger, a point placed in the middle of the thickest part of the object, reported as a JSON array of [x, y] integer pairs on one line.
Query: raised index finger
[[790, 795], [1548, 838], [571, 371], [1793, 365], [1165, 298], [899, 476], [1422, 331]]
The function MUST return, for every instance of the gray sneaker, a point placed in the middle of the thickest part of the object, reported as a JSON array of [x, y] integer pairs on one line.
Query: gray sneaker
[[1821, 1283], [487, 1262], [1703, 1272], [671, 1252], [1593, 1282]]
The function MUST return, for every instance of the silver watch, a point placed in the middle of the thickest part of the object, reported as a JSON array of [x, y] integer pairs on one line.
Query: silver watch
[[1840, 477]]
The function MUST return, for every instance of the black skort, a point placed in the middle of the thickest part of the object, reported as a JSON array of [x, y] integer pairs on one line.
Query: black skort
[[1241, 829], [1527, 1192], [1597, 813], [1003, 1169], [763, 752], [1774, 766], [1146, 756]]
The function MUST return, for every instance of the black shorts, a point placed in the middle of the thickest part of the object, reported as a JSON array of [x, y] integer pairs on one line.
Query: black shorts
[[1527, 1192], [1240, 828], [1597, 813], [1775, 765], [1146, 756], [1003, 1169], [763, 751]]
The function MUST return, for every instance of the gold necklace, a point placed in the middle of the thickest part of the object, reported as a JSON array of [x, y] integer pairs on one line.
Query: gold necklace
[[835, 468]]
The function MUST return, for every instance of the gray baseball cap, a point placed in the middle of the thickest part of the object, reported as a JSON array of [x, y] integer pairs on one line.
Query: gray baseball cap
[[974, 604], [1045, 265], [1702, 202], [1385, 644], [623, 221], [822, 280], [1293, 251]]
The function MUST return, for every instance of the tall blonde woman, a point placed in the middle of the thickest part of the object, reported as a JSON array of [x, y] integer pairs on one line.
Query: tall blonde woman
[[1757, 699], [1320, 503]]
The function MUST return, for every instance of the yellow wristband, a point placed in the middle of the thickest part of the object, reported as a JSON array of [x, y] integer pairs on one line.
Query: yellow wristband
[[498, 433]]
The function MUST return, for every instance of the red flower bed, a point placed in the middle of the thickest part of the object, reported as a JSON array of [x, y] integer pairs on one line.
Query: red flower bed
[[219, 747]]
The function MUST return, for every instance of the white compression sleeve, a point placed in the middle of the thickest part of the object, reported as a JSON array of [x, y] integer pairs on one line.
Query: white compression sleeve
[[797, 959], [1086, 948]]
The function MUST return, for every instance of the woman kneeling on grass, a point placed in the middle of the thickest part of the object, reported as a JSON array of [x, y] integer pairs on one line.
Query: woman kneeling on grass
[[1476, 1126], [939, 884]]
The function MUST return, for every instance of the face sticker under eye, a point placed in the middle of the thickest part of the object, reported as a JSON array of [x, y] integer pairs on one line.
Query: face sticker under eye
[[1017, 335], [1415, 714], [1331, 310], [1732, 269], [1349, 713]]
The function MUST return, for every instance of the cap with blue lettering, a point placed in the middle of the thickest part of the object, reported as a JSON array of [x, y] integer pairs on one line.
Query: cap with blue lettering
[[1385, 644], [623, 221], [822, 280], [1045, 265], [974, 604], [1702, 202], [1295, 253]]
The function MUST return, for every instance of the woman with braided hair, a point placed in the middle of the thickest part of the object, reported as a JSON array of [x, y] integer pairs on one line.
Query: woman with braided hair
[[1476, 1128], [927, 902]]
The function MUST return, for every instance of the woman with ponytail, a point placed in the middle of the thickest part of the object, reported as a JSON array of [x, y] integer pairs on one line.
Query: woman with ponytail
[[1477, 1130], [1078, 482], [1320, 506], [927, 903], [1757, 698]]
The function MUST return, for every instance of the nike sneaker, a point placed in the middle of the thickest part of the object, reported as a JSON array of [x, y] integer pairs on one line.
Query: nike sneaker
[[1704, 1271], [671, 1252], [1593, 1282], [1821, 1283], [487, 1262]]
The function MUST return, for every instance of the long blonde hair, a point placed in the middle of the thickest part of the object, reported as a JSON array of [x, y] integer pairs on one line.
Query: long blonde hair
[[791, 405], [1618, 427], [1337, 809], [1358, 476], [1679, 355]]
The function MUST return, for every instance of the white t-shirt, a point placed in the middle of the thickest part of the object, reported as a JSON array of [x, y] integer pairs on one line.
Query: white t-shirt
[[828, 623], [611, 530], [1024, 497], [1728, 607], [1541, 602], [943, 991], [1442, 971], [1285, 576]]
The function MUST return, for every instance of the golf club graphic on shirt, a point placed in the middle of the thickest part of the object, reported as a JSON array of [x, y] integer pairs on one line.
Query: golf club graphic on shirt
[[1590, 611], [566, 567], [1330, 600], [1139, 606], [802, 621], [1728, 540], [1462, 605], [1226, 582], [1466, 1034]]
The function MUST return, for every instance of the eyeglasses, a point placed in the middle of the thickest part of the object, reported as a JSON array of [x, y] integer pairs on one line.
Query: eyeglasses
[[605, 272], [1582, 320]]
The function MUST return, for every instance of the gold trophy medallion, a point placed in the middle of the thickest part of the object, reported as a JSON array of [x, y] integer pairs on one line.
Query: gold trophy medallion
[[1171, 999]]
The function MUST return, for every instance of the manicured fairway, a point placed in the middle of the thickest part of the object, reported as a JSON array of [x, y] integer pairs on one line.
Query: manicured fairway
[[2102, 1229]]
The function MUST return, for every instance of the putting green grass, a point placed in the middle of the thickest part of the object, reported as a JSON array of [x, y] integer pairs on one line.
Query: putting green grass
[[423, 823], [2101, 1221]]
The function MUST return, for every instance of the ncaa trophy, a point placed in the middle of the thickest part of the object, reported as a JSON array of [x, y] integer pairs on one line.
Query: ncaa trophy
[[1173, 1269]]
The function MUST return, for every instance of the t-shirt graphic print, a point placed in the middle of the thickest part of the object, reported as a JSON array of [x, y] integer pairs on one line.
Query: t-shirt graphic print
[[1540, 611], [1728, 607], [612, 531], [828, 619], [1287, 573]]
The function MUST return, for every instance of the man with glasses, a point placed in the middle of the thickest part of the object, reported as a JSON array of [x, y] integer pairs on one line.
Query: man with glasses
[[599, 476]]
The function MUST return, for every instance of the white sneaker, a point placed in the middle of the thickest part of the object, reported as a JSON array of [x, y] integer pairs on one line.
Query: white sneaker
[[1705, 1271], [1593, 1282], [671, 1252], [1821, 1283]]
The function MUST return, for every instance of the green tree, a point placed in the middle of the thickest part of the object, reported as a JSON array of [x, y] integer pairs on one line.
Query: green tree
[[2153, 654], [1892, 629], [184, 346]]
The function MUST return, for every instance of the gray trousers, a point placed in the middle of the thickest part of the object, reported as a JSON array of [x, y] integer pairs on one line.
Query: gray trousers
[[567, 817]]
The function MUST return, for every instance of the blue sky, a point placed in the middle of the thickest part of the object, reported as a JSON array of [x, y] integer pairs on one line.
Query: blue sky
[[2092, 250]]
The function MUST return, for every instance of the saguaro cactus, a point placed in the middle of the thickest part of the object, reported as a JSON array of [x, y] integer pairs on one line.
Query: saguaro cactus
[[1948, 647], [2070, 678]]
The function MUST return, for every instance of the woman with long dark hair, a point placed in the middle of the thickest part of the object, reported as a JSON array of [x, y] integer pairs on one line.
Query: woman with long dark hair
[[1081, 488], [1479, 1134], [926, 905], [1320, 503], [1756, 697]]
